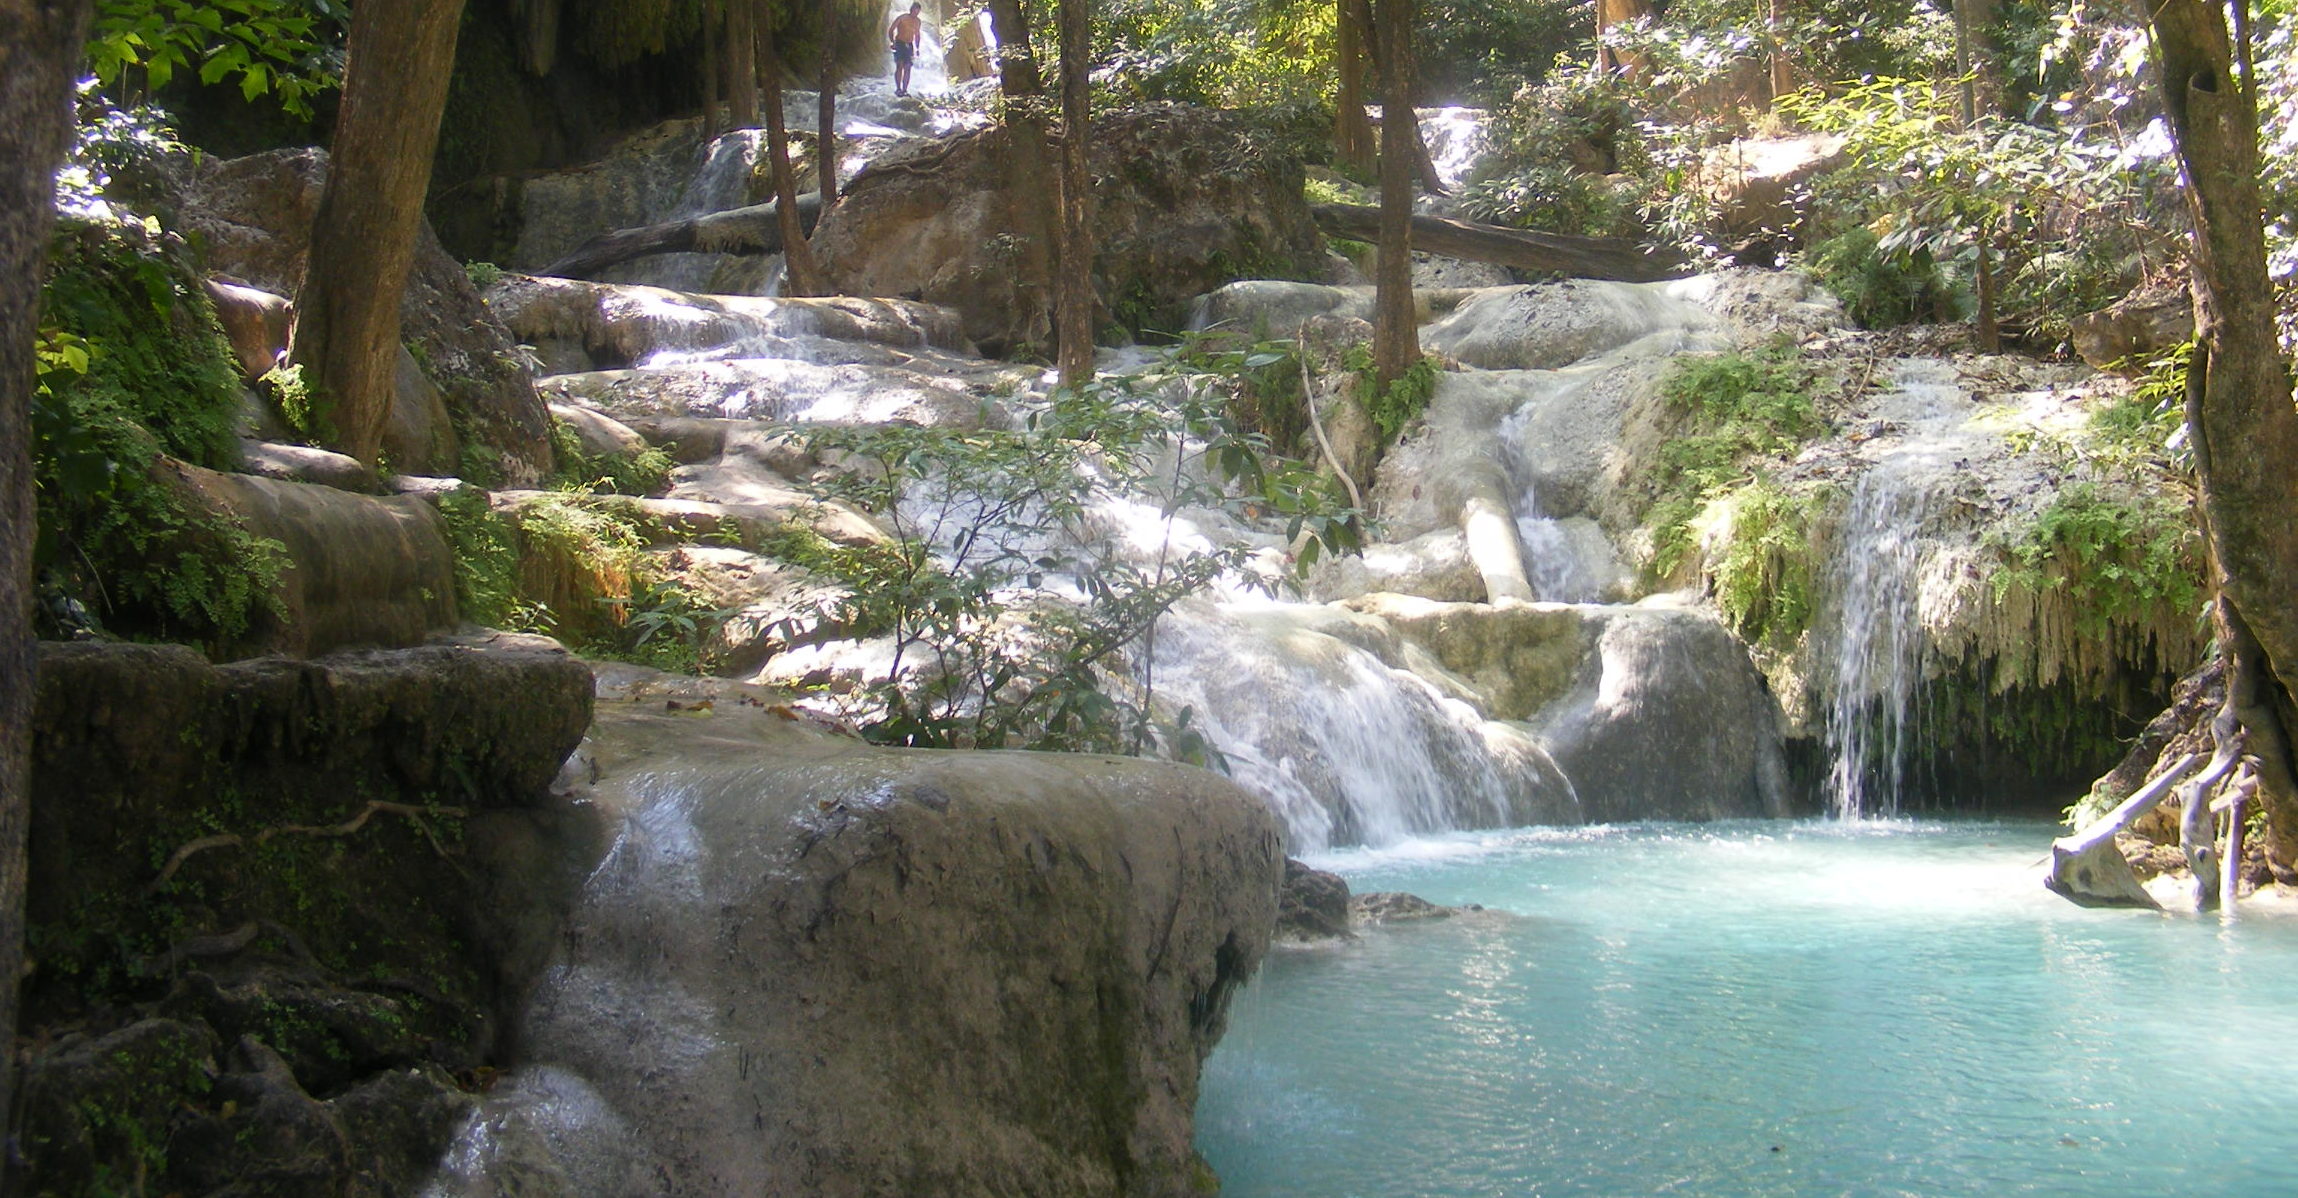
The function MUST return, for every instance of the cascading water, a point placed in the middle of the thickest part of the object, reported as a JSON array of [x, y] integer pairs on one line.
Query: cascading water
[[1875, 646], [1345, 748], [1878, 643]]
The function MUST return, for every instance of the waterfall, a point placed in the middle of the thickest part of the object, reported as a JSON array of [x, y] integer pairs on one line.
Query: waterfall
[[1873, 647], [1877, 643], [1346, 749]]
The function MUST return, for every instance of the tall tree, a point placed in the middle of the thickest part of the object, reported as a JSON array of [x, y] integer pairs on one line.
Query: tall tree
[[1073, 284], [39, 56], [1352, 130], [1034, 214], [802, 275], [1376, 42], [346, 337], [1396, 331], [2239, 414], [713, 36], [826, 124], [741, 47]]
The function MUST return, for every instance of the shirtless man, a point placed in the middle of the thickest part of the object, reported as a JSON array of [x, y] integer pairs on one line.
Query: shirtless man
[[905, 32]]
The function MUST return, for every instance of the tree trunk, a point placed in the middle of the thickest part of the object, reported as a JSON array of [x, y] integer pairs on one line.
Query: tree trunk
[[1035, 217], [826, 123], [756, 229], [713, 33], [1352, 129], [1975, 57], [39, 53], [1396, 331], [1423, 167], [1610, 13], [1548, 253], [2239, 414], [1782, 76], [742, 32], [1073, 285], [346, 337], [802, 275]]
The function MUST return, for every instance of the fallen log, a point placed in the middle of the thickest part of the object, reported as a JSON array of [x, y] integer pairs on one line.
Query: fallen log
[[2088, 870], [1547, 253], [751, 230]]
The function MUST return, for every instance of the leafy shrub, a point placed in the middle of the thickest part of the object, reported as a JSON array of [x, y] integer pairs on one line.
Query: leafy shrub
[[2059, 221], [1881, 289], [132, 366], [2117, 556], [1011, 601], [646, 472]]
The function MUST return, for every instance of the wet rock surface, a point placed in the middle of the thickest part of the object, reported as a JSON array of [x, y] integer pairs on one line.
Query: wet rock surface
[[280, 912], [812, 966], [1314, 905]]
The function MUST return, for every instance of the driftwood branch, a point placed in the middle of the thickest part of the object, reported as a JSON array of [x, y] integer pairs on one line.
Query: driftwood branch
[[752, 230], [1550, 253], [227, 840], [2087, 868]]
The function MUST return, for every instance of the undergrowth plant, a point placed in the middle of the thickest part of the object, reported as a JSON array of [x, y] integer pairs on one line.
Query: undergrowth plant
[[2118, 556], [1028, 564], [133, 370], [1732, 413]]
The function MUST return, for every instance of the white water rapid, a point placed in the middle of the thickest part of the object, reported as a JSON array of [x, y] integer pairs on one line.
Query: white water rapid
[[1874, 645]]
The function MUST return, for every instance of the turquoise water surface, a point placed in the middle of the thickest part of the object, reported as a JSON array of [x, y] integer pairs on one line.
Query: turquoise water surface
[[1760, 1008]]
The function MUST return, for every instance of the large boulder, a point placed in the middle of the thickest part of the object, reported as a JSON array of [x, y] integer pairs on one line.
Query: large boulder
[[361, 570], [253, 217], [1184, 201], [816, 967], [275, 907], [1652, 712]]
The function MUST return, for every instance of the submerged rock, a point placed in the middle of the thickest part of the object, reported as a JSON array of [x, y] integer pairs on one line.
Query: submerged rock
[[1314, 905], [1395, 906], [809, 966]]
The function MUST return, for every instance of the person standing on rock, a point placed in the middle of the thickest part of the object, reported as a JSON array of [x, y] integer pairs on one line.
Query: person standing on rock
[[905, 32]]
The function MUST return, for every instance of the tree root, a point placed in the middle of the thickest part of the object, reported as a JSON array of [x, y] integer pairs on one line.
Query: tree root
[[411, 812]]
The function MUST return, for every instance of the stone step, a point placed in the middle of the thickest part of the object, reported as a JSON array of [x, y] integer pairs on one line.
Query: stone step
[[578, 325]]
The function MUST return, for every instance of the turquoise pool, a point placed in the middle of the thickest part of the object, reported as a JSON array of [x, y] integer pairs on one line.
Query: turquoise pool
[[1760, 1009]]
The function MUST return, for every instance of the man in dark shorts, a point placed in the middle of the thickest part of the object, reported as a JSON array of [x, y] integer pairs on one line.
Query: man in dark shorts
[[905, 32]]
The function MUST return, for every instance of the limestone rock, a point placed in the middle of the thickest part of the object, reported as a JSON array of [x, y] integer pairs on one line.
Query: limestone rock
[[1314, 905], [1761, 188], [1647, 710], [255, 321], [1550, 325], [601, 435], [420, 436], [1394, 906], [1185, 201], [306, 464], [2134, 329], [615, 325], [363, 570], [816, 967], [920, 391], [254, 215], [256, 782]]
